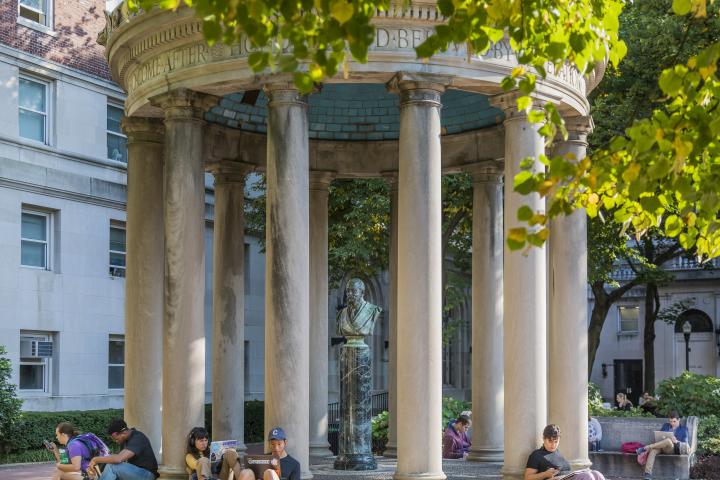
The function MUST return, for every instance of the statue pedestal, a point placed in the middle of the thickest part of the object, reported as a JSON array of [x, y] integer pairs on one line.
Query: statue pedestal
[[355, 449]]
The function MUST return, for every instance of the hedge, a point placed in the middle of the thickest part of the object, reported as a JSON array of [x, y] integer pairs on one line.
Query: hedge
[[34, 427]]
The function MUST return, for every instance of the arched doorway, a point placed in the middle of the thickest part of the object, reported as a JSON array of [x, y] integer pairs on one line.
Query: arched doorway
[[702, 346]]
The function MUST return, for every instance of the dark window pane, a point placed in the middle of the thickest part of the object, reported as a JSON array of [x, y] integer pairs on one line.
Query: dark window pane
[[116, 377], [116, 352], [117, 239], [117, 148], [33, 227], [32, 377], [114, 115]]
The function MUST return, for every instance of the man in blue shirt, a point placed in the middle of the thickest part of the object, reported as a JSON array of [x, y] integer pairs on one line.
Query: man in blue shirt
[[668, 446]]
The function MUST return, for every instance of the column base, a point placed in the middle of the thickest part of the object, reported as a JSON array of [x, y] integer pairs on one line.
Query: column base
[[355, 461], [172, 473], [390, 450], [304, 474], [512, 473], [321, 449], [419, 476], [580, 463], [485, 455]]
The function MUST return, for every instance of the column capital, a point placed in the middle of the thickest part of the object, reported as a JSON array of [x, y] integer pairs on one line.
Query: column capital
[[283, 91], [184, 104], [230, 171], [507, 102], [578, 129], [143, 129], [320, 179], [419, 87], [487, 172]]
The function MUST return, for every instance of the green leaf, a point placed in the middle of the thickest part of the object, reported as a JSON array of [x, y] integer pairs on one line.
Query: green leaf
[[524, 103], [536, 116], [341, 10], [524, 182], [524, 213], [516, 238], [673, 226], [682, 7]]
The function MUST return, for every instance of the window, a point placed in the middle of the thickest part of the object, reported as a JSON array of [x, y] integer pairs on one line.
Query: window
[[116, 140], [33, 109], [35, 240], [117, 249], [628, 319], [35, 10], [116, 362], [36, 352]]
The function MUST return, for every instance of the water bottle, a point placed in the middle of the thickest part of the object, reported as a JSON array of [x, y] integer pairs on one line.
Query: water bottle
[[63, 456]]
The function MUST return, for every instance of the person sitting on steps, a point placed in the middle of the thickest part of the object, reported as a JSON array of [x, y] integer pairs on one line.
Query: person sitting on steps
[[547, 461], [197, 458], [289, 467]]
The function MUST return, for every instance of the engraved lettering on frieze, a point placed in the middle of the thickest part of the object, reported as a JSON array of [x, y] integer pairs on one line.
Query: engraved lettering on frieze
[[169, 61], [399, 38], [499, 51]]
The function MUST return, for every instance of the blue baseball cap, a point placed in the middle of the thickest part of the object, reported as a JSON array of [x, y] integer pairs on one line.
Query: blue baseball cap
[[277, 433]]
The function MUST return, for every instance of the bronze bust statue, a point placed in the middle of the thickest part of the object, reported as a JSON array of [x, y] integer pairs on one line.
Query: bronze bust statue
[[357, 319]]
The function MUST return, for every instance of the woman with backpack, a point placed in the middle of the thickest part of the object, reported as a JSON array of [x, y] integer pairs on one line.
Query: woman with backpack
[[197, 458], [78, 454]]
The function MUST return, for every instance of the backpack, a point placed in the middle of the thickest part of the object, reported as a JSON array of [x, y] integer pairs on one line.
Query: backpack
[[630, 447], [95, 446]]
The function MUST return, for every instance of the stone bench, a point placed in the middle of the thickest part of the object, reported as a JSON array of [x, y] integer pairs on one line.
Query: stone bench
[[618, 430]]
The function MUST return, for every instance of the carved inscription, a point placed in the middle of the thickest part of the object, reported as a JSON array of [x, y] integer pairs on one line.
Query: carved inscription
[[169, 61]]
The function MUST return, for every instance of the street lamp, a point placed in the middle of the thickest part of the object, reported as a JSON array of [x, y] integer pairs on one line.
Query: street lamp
[[687, 330]]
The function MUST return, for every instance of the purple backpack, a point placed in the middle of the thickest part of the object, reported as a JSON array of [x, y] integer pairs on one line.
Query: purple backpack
[[95, 446]]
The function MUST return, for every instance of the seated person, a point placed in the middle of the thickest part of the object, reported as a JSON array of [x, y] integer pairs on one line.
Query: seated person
[[594, 434], [647, 403], [197, 458], [136, 459], [289, 467], [466, 435], [455, 438], [676, 445], [546, 461], [622, 402], [77, 453]]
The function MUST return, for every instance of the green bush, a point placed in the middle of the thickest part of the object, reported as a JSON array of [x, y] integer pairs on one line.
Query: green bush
[[380, 425], [9, 403], [690, 394], [709, 435], [451, 409]]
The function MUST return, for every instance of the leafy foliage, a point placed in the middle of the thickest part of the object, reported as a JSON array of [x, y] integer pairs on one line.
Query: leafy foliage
[[690, 394], [709, 435], [452, 408], [707, 467], [380, 425], [9, 403]]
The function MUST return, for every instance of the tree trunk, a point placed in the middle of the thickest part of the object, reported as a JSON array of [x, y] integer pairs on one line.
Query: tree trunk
[[652, 308], [600, 309]]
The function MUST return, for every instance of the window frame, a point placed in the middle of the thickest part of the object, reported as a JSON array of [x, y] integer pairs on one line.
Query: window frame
[[45, 362], [48, 13], [48, 107], [48, 235], [119, 226], [115, 338], [120, 134], [620, 330]]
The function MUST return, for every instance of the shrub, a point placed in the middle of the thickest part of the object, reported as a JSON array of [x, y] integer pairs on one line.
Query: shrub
[[380, 425], [709, 435], [9, 403], [451, 409], [707, 468], [690, 394]]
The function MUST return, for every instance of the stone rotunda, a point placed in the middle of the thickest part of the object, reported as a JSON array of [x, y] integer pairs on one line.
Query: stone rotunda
[[192, 108]]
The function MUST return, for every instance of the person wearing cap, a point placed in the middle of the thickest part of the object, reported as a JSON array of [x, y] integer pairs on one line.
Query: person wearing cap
[[289, 467], [136, 459]]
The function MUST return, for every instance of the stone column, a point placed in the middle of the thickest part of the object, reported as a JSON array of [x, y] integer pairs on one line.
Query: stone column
[[419, 296], [184, 324], [319, 183], [287, 271], [524, 284], [487, 312], [568, 347], [228, 387], [391, 447], [144, 277]]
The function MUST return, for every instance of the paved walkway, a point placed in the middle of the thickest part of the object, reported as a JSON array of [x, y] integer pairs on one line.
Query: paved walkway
[[321, 469]]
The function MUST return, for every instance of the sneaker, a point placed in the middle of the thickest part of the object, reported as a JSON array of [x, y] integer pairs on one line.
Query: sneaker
[[640, 450], [647, 476]]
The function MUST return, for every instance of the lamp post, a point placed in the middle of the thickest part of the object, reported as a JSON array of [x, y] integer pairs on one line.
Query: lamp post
[[687, 330]]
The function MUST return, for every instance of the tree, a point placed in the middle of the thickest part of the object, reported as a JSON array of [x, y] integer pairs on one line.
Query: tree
[[9, 403]]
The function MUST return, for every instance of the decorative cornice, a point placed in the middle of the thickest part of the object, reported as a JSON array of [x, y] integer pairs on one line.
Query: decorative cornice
[[143, 129], [320, 180], [230, 171], [486, 172], [184, 104]]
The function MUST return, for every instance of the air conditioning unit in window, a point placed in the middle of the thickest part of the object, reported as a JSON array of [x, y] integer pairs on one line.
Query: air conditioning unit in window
[[36, 349]]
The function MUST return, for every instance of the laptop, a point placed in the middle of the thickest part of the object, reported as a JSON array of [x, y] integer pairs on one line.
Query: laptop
[[259, 463], [662, 435], [218, 448]]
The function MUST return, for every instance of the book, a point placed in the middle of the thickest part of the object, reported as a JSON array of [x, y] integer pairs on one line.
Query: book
[[571, 474]]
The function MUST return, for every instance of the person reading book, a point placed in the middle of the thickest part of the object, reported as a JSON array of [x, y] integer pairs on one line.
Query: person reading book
[[548, 462], [197, 458]]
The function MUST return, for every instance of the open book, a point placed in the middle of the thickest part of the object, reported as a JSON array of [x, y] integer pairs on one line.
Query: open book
[[571, 474]]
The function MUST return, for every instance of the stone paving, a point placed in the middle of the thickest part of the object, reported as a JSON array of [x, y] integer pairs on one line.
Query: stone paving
[[321, 469]]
